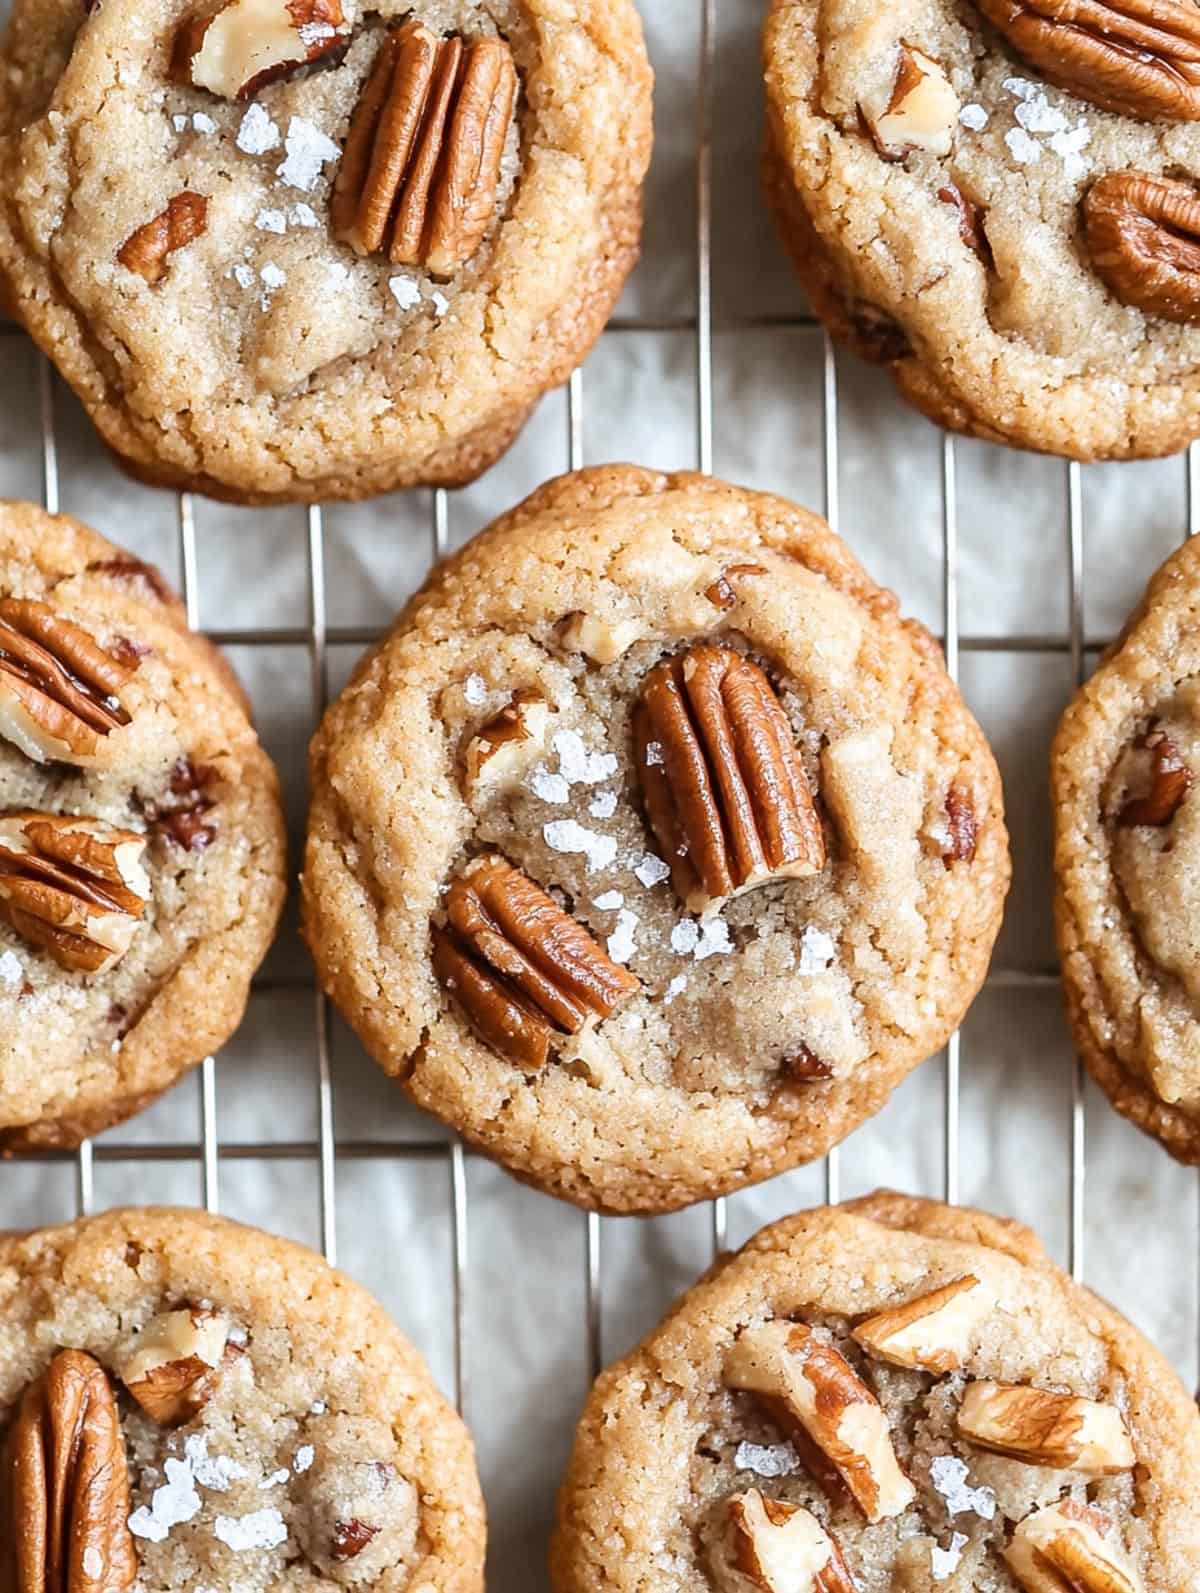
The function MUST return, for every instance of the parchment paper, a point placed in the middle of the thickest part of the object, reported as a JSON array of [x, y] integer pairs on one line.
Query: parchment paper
[[526, 1347]]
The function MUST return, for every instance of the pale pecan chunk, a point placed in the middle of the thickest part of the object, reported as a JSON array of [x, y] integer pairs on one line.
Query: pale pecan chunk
[[58, 687], [1143, 235], [147, 251], [420, 170], [171, 1369], [933, 1331], [505, 747], [721, 593], [724, 789], [64, 1486], [247, 44], [922, 114], [807, 1385], [1065, 1548], [1062, 1431], [779, 1547], [521, 968], [1170, 781], [1138, 57], [74, 887]]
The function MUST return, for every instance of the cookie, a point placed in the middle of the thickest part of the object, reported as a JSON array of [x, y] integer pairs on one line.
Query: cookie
[[141, 836], [188, 1403], [1127, 844], [999, 202], [652, 848], [889, 1396], [353, 247]]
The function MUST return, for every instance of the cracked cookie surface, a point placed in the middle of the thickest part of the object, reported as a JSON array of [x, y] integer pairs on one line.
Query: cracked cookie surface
[[940, 192], [685, 1441], [638, 991], [141, 862], [204, 299], [1127, 846], [261, 1422]]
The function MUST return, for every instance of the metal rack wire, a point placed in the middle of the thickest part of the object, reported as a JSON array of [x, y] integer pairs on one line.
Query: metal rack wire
[[318, 636]]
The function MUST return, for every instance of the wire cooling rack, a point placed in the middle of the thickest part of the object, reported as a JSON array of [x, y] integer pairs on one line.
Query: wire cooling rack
[[326, 1155]]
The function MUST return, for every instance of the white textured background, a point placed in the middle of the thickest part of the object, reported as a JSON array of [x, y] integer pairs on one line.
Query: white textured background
[[526, 1345]]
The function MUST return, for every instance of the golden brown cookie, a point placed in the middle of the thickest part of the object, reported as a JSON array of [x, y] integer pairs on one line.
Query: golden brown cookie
[[890, 1396], [1127, 852], [298, 249], [141, 836], [1000, 203], [221, 1409], [653, 848]]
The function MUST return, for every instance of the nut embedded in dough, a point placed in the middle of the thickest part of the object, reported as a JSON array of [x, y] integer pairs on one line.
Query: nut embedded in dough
[[1143, 237], [1062, 1431], [58, 689], [170, 1368], [933, 1331], [247, 44], [147, 251], [779, 1548], [923, 111], [1065, 1548]]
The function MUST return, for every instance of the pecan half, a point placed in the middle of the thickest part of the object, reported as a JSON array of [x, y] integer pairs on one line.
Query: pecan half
[[249, 43], [58, 688], [1065, 1549], [421, 168], [721, 593], [779, 1548], [923, 111], [64, 1486], [806, 1384], [725, 791], [74, 887], [171, 1368], [933, 1331], [1062, 1431], [1170, 781], [1138, 57], [522, 969], [970, 223], [1143, 235], [147, 250]]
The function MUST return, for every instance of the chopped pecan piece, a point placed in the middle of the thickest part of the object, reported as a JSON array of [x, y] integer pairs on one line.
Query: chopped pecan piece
[[58, 688], [75, 887], [147, 250], [970, 223], [963, 825], [64, 1486], [506, 746], [351, 1538], [171, 1368], [804, 1065], [1171, 780], [1137, 57], [181, 817], [808, 1385], [933, 1331], [1065, 1549], [522, 969], [603, 642], [249, 43], [1143, 235], [421, 167], [923, 111], [721, 593], [1061, 1431], [779, 1548], [725, 791], [136, 572]]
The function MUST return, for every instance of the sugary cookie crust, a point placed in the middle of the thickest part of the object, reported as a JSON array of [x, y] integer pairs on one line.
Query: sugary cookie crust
[[678, 1094], [82, 1051], [320, 1394], [1124, 902], [271, 363], [1029, 348], [663, 1440]]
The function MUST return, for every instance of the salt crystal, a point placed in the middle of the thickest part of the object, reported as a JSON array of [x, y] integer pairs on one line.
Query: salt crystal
[[1020, 87], [336, 275], [179, 123], [318, 1406], [475, 690], [93, 1563], [1023, 149], [303, 215], [304, 1458], [12, 973], [214, 1472], [243, 276], [175, 1502], [622, 943], [308, 150], [275, 1480], [203, 123], [272, 277], [440, 304], [974, 117], [549, 787], [609, 902], [577, 764], [566, 835], [651, 870], [1037, 115], [944, 1562], [1069, 146], [315, 33], [714, 939], [948, 1475], [604, 805], [261, 1529], [258, 132], [676, 988], [767, 1460], [654, 753], [685, 937], [405, 292], [271, 221], [817, 950]]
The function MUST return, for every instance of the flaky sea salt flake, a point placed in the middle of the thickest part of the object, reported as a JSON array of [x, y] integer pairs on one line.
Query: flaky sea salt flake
[[622, 943], [217, 1473], [174, 1503], [579, 766], [303, 215], [944, 1562], [405, 291], [261, 1529], [974, 117], [257, 133], [567, 835], [304, 1458], [440, 304], [549, 787], [1020, 87], [203, 123], [308, 149], [93, 1563], [651, 870], [603, 805], [275, 1480], [714, 939], [609, 902], [767, 1460], [1037, 115], [12, 973], [817, 950], [676, 988], [271, 221], [948, 1474], [1024, 150], [475, 690], [179, 123], [685, 936]]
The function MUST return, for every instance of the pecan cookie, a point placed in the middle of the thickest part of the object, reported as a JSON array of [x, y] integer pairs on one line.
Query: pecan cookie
[[1127, 861], [1000, 200], [890, 1396], [653, 848], [299, 249], [141, 837], [187, 1403]]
